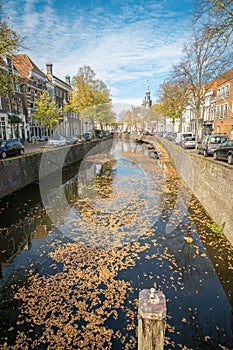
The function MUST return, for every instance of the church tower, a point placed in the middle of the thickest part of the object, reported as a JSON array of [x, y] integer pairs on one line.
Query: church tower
[[147, 102]]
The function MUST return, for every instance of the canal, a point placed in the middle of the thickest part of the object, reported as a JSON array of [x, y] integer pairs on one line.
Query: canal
[[78, 246]]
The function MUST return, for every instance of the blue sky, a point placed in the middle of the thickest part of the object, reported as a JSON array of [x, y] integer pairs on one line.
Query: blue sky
[[125, 42]]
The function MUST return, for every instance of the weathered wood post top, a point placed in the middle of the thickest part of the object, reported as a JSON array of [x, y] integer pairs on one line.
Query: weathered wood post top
[[152, 303], [151, 319]]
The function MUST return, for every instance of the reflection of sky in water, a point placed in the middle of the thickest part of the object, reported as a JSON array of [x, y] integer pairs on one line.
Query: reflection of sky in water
[[135, 197]]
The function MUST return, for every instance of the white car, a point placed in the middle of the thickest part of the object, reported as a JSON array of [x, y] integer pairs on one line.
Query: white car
[[181, 136], [57, 141]]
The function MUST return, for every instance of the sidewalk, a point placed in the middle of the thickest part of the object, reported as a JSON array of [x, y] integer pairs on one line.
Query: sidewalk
[[34, 147]]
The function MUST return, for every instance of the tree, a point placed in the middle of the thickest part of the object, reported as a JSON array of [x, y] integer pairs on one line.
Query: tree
[[203, 61], [46, 112], [173, 98], [220, 16], [88, 92], [101, 114], [9, 43], [10, 40], [104, 114], [14, 120]]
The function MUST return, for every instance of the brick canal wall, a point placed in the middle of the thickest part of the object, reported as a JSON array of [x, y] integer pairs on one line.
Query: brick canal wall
[[18, 172], [211, 182]]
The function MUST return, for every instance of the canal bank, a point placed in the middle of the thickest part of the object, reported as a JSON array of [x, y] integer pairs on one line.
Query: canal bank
[[211, 182], [19, 172]]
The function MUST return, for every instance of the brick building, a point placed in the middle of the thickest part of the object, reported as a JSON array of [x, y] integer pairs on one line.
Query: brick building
[[12, 118], [224, 103], [33, 82]]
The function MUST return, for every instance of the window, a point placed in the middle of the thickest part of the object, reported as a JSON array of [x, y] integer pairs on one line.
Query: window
[[217, 112], [0, 102], [211, 114], [221, 111], [219, 94], [227, 90], [225, 110], [17, 88], [222, 89]]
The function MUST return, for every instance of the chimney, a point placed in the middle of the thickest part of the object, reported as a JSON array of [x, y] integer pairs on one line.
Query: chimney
[[67, 79], [49, 68]]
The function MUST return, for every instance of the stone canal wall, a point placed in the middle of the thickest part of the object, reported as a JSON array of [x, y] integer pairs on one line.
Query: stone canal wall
[[18, 172], [211, 182]]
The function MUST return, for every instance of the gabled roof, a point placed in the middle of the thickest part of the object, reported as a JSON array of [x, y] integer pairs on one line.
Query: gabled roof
[[23, 64]]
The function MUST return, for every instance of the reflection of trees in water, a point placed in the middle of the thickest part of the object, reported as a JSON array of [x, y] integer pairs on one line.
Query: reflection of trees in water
[[104, 179], [19, 235]]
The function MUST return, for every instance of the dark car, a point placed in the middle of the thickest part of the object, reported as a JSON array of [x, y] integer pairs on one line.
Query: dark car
[[99, 134], [11, 148], [225, 152], [106, 133], [88, 136], [209, 144]]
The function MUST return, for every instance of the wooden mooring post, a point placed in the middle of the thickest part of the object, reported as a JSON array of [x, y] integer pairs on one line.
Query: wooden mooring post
[[151, 319]]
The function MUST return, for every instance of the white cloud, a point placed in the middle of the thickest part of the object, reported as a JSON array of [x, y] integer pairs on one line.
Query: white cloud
[[135, 43]]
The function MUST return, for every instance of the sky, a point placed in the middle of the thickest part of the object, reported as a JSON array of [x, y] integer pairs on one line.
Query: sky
[[129, 44]]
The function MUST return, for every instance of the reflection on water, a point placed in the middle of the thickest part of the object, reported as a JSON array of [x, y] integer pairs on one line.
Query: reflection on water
[[73, 266]]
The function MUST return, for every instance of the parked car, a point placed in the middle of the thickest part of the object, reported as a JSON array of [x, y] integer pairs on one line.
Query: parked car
[[225, 152], [11, 148], [181, 136], [57, 141], [99, 134], [189, 142], [209, 143], [71, 140], [88, 136], [167, 135], [106, 133], [43, 138]]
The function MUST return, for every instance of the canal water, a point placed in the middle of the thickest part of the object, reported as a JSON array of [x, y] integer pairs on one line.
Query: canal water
[[78, 246]]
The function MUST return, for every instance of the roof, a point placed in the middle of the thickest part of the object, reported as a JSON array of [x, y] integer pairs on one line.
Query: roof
[[4, 65], [23, 64]]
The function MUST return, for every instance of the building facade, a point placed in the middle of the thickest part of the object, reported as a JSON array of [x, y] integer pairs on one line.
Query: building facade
[[70, 123], [17, 101], [33, 83], [224, 103], [12, 118]]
